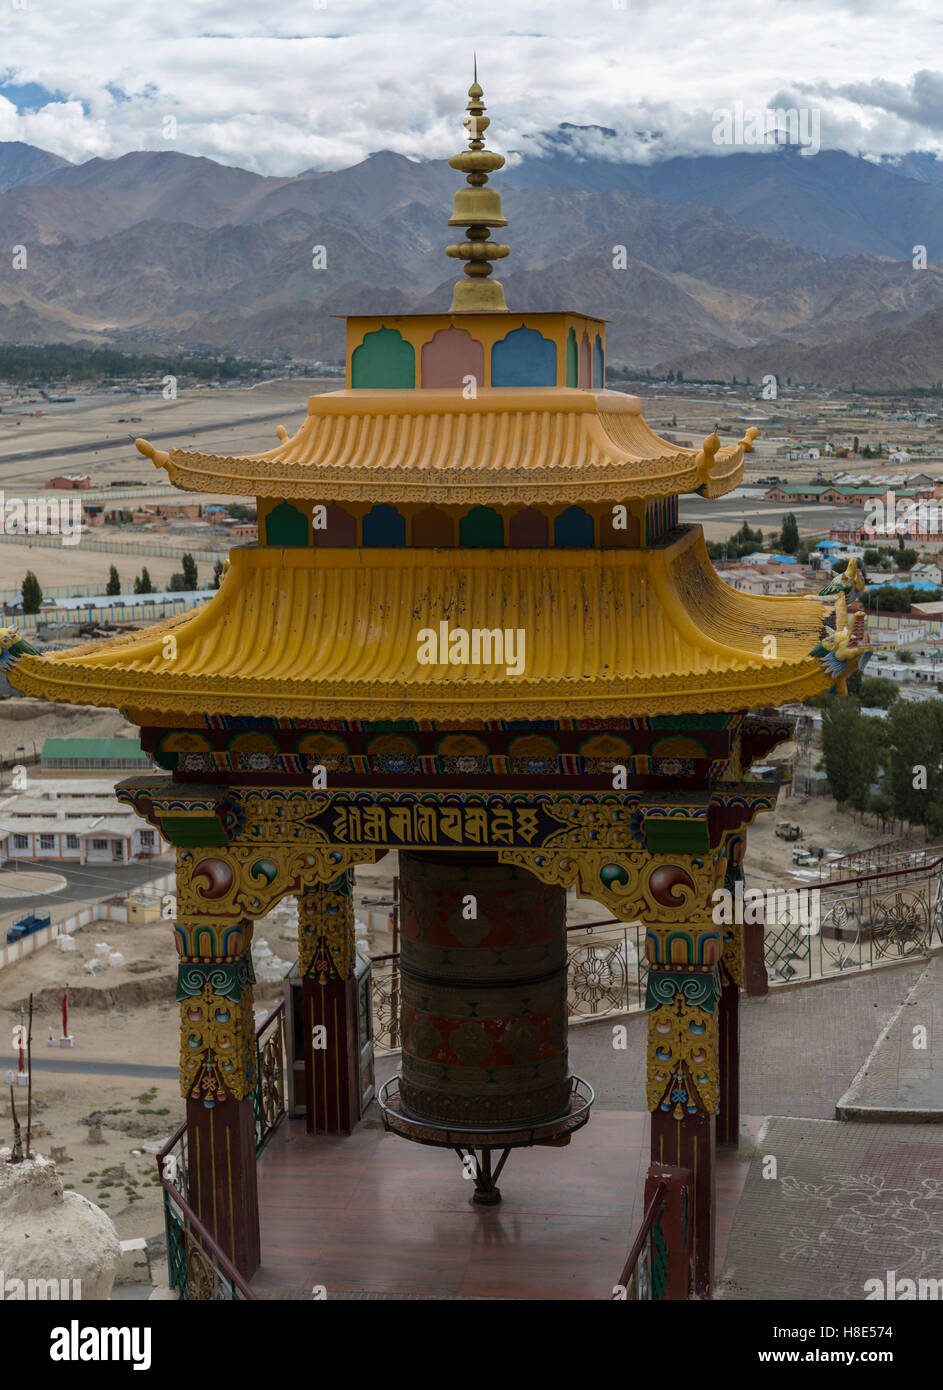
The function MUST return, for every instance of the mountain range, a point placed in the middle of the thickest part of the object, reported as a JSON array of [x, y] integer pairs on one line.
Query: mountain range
[[743, 263]]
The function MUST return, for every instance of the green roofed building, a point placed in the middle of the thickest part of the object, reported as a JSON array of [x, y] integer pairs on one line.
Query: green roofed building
[[93, 754]]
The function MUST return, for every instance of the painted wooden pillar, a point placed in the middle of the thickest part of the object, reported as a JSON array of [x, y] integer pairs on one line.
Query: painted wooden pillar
[[731, 980], [218, 1079], [682, 999], [728, 1113], [326, 961]]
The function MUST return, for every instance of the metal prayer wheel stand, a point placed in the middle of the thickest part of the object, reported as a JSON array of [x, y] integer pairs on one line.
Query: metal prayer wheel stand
[[483, 978]]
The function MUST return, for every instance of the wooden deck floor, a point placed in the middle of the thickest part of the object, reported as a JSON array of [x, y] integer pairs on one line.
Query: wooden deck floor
[[373, 1215]]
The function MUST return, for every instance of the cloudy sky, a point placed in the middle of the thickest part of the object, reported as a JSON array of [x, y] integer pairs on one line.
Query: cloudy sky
[[322, 83]]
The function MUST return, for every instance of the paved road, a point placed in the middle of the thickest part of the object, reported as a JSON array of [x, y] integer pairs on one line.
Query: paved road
[[76, 1063], [90, 445], [85, 883]]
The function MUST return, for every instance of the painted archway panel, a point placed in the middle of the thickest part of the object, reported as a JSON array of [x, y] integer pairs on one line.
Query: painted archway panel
[[286, 525], [572, 359], [586, 363], [433, 528], [383, 361], [482, 526], [451, 356], [383, 525], [529, 528], [524, 358], [574, 527], [599, 364], [340, 529]]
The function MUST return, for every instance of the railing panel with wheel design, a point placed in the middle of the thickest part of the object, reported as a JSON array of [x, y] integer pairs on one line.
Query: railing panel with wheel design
[[269, 1092], [881, 917]]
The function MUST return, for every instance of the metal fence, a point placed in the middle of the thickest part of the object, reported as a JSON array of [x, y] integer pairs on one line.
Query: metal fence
[[134, 611], [116, 547]]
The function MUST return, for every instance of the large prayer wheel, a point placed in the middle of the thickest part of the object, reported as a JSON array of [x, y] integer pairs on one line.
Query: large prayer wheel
[[483, 970]]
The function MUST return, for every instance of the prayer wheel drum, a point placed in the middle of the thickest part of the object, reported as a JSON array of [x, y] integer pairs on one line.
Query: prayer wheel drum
[[484, 986]]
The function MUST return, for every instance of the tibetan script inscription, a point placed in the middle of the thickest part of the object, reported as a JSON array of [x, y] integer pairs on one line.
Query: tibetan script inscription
[[495, 822]]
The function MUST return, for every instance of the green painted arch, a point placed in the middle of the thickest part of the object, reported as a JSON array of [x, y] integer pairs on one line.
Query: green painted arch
[[286, 525], [482, 526], [572, 359], [383, 361]]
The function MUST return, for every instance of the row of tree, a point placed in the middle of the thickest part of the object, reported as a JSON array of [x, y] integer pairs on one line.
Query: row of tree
[[185, 581], [903, 754]]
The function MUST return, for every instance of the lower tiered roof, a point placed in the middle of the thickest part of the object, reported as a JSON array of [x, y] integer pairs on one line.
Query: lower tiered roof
[[331, 632]]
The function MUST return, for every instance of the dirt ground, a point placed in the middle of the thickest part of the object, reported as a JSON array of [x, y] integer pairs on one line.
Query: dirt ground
[[26, 722], [126, 1012], [768, 861]]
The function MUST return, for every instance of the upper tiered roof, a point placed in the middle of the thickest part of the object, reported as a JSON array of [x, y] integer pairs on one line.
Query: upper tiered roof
[[538, 446]]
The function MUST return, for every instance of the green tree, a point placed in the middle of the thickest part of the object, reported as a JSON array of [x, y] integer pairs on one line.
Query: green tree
[[851, 751], [190, 573], [789, 539], [906, 559], [143, 585], [878, 692], [855, 445], [892, 598], [913, 775], [871, 557], [113, 587], [31, 593], [217, 574], [177, 584]]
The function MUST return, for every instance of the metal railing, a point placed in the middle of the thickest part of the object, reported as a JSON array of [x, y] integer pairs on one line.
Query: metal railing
[[644, 1276], [197, 1267], [873, 919], [659, 1262], [894, 854], [877, 919]]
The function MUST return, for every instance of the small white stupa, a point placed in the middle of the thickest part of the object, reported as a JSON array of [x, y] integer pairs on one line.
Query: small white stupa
[[48, 1234]]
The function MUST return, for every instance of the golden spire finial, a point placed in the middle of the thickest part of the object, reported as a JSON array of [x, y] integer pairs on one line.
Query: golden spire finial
[[478, 209]]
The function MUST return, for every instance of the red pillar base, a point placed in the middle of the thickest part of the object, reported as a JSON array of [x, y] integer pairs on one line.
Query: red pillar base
[[728, 1116], [330, 1067], [689, 1143], [222, 1178]]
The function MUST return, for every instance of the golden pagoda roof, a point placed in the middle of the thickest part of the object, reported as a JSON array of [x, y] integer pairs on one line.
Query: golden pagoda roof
[[507, 445], [334, 633]]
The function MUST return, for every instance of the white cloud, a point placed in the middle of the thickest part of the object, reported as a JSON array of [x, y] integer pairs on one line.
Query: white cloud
[[294, 86]]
